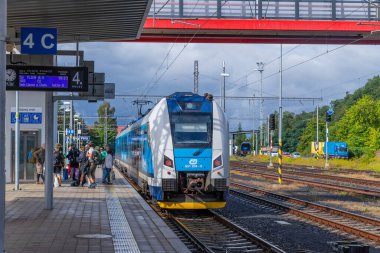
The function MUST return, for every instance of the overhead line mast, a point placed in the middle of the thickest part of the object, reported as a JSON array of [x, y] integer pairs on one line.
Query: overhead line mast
[[122, 96]]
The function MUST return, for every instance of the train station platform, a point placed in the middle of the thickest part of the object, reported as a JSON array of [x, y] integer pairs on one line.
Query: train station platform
[[110, 218]]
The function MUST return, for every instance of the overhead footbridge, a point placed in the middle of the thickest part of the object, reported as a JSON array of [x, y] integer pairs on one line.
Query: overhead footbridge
[[80, 20], [260, 21]]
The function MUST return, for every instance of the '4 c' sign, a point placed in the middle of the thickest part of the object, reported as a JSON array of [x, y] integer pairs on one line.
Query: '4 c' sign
[[38, 40]]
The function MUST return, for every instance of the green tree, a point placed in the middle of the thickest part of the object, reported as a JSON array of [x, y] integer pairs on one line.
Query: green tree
[[309, 135], [240, 137], [106, 124], [359, 127]]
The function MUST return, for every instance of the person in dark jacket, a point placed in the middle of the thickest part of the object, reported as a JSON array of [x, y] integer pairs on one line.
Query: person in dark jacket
[[108, 164], [83, 165], [59, 163], [39, 156], [73, 157]]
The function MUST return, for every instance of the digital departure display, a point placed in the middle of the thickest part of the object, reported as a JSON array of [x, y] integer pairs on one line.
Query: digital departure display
[[46, 78], [53, 82]]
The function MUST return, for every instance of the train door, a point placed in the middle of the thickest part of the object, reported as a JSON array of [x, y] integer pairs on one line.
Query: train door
[[28, 141]]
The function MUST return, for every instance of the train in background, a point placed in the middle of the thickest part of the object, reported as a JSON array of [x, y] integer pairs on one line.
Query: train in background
[[334, 149], [245, 148], [178, 152]]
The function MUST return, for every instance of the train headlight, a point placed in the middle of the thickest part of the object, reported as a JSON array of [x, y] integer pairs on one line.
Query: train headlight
[[168, 162], [217, 162], [190, 106]]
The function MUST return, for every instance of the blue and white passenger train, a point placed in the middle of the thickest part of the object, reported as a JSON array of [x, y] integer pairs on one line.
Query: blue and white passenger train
[[178, 152]]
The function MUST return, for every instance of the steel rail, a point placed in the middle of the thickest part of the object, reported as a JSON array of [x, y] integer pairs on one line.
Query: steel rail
[[305, 167], [290, 205], [297, 172], [367, 192], [183, 231], [203, 242], [219, 234]]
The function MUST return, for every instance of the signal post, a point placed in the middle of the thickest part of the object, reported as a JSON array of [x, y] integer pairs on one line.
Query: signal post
[[328, 119], [272, 126]]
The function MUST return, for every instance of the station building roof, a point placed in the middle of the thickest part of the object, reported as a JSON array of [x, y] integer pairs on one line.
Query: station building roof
[[81, 20]]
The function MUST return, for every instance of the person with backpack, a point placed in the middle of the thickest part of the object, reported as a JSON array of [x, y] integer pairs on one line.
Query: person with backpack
[[39, 157], [108, 164], [83, 165], [59, 163], [73, 156], [94, 160], [103, 155]]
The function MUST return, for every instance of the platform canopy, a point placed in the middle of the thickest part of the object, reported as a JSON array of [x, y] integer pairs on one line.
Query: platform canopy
[[81, 20]]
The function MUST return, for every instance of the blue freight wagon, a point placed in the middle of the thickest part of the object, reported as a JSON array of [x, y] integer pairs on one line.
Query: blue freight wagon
[[336, 149]]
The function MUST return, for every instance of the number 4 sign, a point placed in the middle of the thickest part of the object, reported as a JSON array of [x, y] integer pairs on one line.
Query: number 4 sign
[[38, 40]]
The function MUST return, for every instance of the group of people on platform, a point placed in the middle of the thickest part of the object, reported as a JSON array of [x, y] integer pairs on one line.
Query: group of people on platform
[[82, 164]]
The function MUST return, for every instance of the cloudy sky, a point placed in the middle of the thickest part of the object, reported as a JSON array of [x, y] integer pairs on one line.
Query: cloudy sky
[[310, 71]]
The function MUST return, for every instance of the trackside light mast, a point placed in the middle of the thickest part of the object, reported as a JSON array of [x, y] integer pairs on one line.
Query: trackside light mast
[[223, 88], [280, 125]]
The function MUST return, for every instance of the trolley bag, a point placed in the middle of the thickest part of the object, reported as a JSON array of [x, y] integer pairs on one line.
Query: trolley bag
[[65, 174], [112, 175], [76, 173], [56, 183]]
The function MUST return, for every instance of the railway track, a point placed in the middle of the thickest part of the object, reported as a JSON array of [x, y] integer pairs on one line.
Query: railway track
[[313, 173], [351, 223], [207, 231], [217, 234], [305, 168], [332, 183]]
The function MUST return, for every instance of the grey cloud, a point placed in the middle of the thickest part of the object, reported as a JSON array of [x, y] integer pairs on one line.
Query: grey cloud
[[132, 65]]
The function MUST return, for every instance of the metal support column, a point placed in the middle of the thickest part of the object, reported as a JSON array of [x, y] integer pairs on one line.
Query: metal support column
[[297, 9], [260, 9], [64, 132], [253, 126], [271, 148], [327, 146], [223, 88], [260, 68], [280, 125], [268, 135], [333, 9], [3, 34], [49, 135], [219, 8], [180, 8], [106, 126], [317, 141], [71, 122], [369, 10], [257, 142], [17, 143], [196, 77]]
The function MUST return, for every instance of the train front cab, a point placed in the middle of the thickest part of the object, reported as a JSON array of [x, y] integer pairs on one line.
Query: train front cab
[[195, 170]]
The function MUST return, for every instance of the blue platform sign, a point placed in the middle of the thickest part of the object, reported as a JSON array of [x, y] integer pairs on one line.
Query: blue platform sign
[[330, 112], [27, 117], [38, 40]]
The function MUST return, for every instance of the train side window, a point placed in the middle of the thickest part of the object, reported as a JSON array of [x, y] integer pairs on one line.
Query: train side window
[[148, 136]]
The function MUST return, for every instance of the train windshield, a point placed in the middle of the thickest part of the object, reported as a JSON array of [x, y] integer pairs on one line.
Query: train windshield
[[246, 147], [342, 149], [191, 129]]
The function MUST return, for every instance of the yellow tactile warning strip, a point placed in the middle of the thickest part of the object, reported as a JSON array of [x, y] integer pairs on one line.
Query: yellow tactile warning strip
[[123, 239]]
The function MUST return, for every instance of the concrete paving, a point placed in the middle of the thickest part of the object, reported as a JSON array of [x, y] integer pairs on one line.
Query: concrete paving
[[80, 211]]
